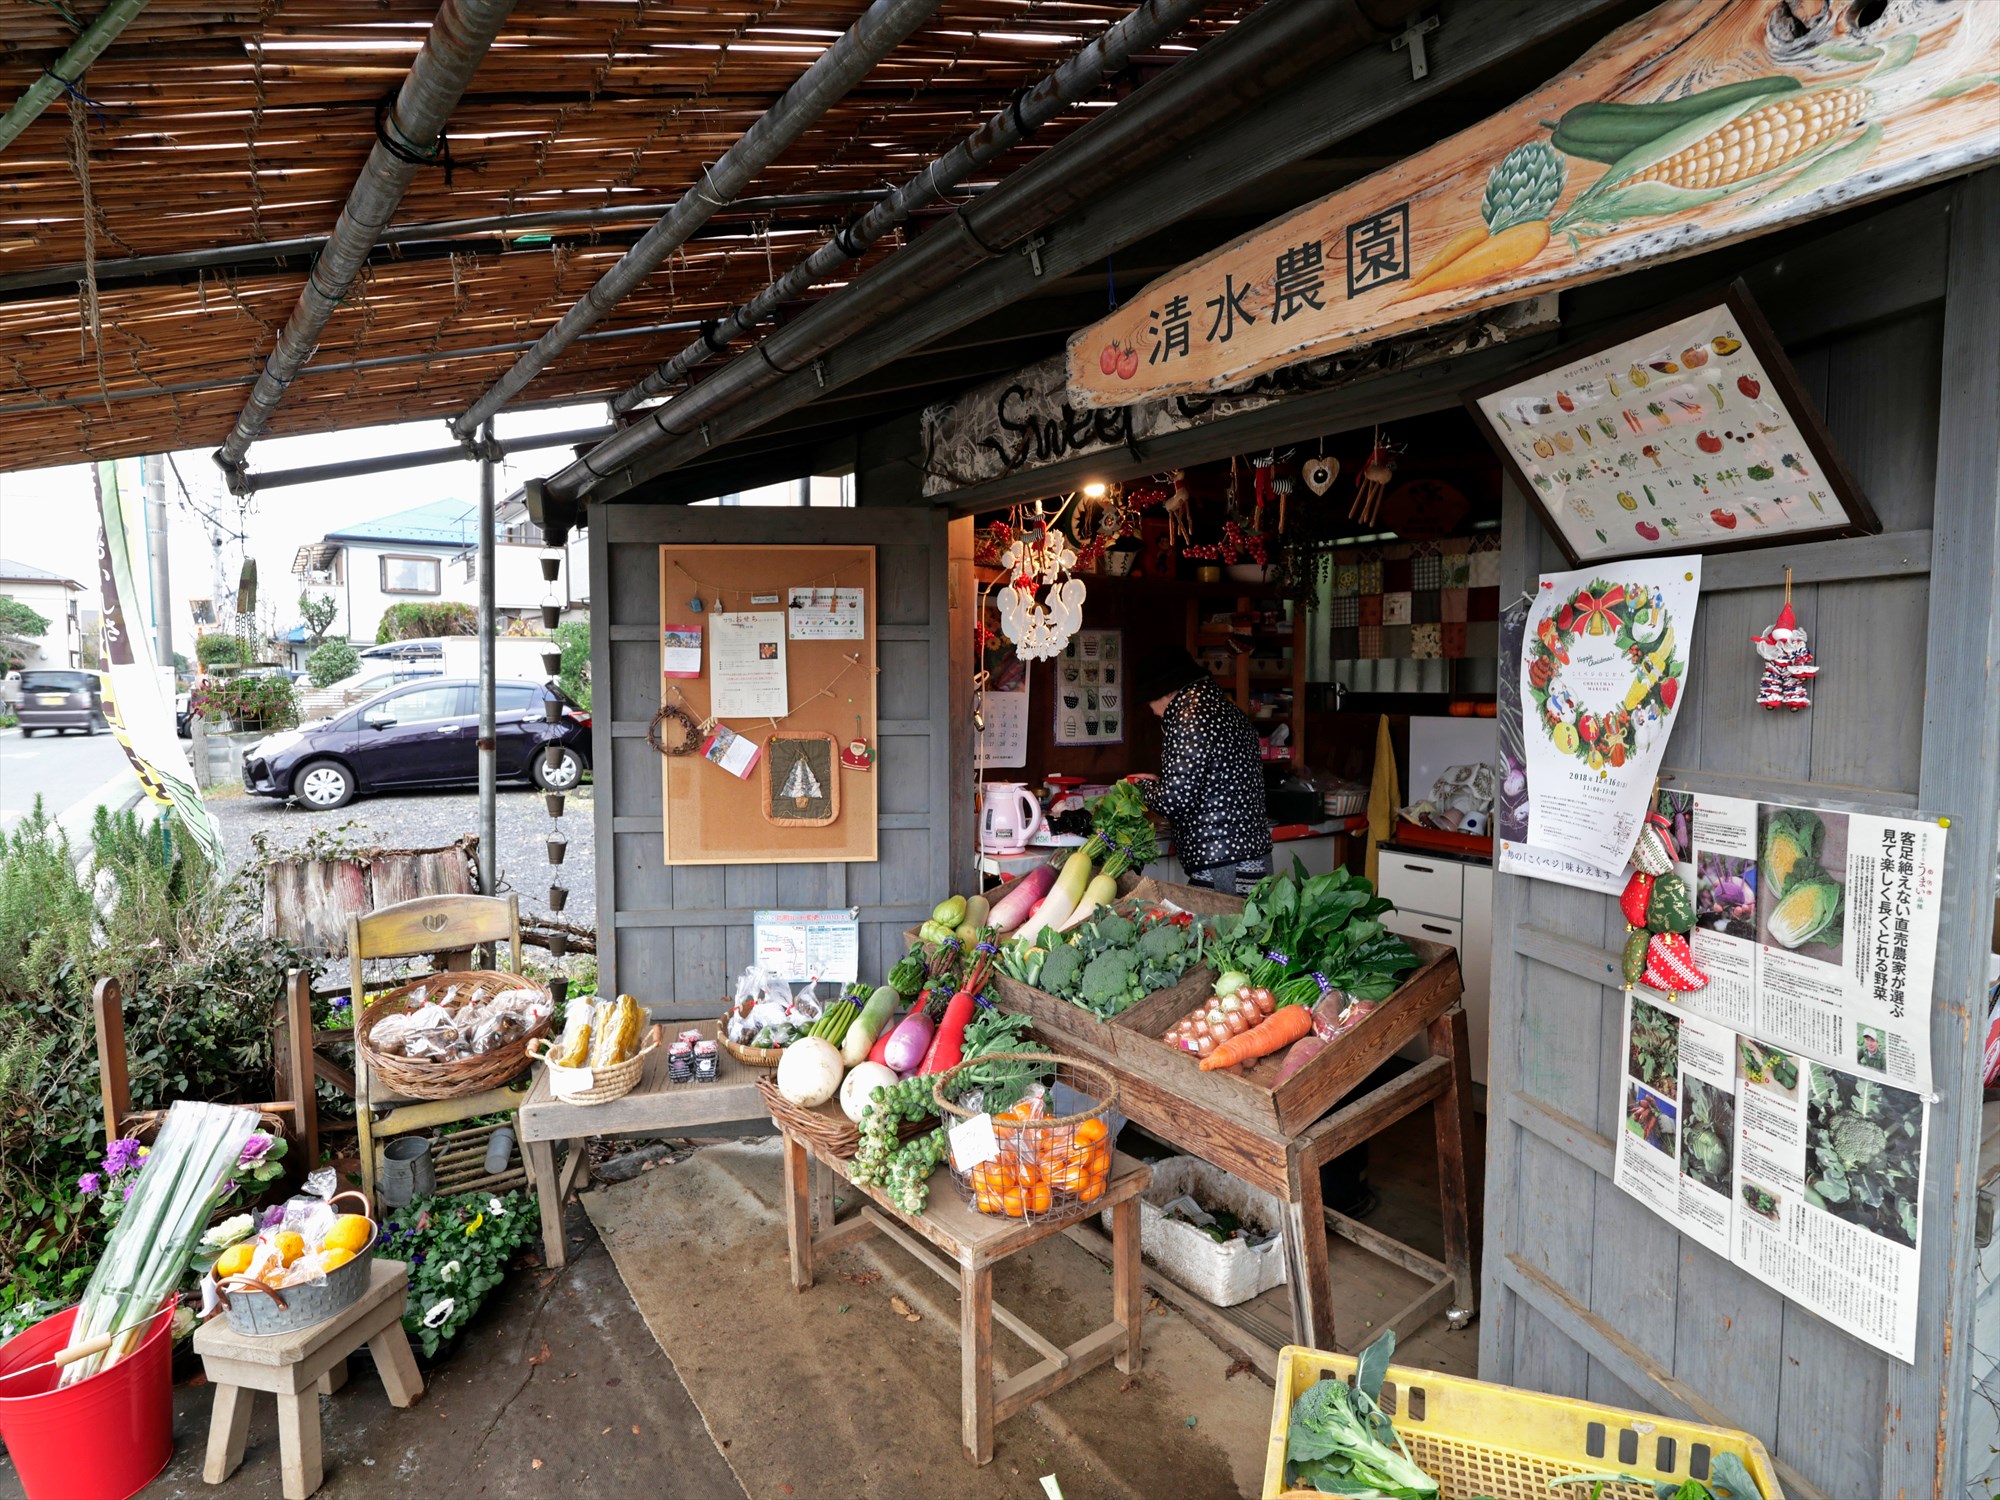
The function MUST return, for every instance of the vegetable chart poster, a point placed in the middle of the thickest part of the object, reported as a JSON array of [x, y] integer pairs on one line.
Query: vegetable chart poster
[[1818, 930], [1805, 1175], [1603, 672]]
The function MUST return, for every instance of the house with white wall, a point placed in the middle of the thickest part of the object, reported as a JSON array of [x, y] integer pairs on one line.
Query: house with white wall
[[428, 555], [58, 600]]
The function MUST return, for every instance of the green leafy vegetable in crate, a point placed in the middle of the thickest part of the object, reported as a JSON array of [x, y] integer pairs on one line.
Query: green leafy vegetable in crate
[[1339, 1442], [1295, 925], [1115, 960], [1728, 1479]]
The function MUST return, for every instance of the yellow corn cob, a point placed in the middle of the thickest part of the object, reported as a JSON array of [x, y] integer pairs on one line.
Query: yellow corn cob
[[603, 1034], [1761, 141], [573, 1051], [619, 1037]]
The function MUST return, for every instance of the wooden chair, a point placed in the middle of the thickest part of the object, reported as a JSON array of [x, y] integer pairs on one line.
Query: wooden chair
[[297, 1113], [449, 928]]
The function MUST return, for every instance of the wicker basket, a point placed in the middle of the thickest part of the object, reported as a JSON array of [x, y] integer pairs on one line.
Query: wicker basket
[[750, 1057], [593, 1085], [827, 1127], [421, 1079], [1049, 1165]]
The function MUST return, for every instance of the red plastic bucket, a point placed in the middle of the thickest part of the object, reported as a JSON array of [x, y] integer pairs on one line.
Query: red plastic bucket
[[104, 1438]]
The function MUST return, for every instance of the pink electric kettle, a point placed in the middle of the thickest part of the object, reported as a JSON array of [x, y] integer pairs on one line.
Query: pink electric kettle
[[1009, 816]]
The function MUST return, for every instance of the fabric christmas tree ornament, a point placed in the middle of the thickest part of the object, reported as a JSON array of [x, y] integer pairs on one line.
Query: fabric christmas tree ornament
[[1670, 964], [1634, 963], [1638, 892], [1671, 908], [1654, 853]]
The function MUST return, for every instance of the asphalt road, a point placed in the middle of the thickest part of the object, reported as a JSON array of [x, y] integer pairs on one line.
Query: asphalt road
[[64, 769], [423, 820]]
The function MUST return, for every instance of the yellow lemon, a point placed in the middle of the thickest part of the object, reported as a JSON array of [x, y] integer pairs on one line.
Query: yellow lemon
[[332, 1260], [349, 1232], [290, 1245], [234, 1261]]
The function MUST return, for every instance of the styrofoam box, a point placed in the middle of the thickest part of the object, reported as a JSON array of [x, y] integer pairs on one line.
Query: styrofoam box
[[1222, 1274]]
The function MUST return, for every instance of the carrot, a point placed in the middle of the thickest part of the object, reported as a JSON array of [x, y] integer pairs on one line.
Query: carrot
[[1452, 249], [1281, 1028], [1506, 251]]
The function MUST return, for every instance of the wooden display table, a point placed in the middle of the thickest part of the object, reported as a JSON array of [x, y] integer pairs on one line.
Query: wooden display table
[[656, 1106], [972, 1244], [1278, 1136], [297, 1367]]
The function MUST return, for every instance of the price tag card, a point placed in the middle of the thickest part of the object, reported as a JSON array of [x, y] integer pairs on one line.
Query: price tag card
[[973, 1143]]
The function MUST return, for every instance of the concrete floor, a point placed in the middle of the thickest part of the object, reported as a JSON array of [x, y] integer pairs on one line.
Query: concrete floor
[[556, 1388]]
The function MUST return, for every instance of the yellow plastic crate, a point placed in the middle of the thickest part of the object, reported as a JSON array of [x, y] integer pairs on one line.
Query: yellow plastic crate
[[1479, 1439]]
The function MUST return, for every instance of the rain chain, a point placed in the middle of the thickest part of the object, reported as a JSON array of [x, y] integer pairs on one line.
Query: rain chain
[[552, 753]]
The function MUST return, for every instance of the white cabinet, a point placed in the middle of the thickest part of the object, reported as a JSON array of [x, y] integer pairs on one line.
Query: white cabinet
[[1450, 902]]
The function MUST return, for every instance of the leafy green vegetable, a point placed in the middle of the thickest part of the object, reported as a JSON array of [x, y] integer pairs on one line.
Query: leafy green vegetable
[[1294, 925], [1339, 1442], [1122, 835], [1807, 911], [1114, 960], [907, 977], [1791, 848], [1862, 1141], [1728, 1479], [990, 1031]]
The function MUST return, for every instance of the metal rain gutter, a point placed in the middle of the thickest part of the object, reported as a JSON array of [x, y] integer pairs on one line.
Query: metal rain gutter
[[878, 32], [1283, 43], [68, 70], [1109, 53], [354, 468], [451, 54]]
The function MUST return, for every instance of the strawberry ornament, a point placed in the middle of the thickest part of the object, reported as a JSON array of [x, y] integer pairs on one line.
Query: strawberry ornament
[[1633, 961], [1670, 965], [1638, 892]]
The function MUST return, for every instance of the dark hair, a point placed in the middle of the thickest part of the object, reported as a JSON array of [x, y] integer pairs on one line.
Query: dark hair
[[1165, 670]]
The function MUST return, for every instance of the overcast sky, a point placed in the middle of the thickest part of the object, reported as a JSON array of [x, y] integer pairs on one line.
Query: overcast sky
[[48, 517]]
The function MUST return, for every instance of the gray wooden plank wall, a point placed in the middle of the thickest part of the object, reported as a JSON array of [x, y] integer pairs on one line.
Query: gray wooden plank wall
[[1585, 1292], [676, 936]]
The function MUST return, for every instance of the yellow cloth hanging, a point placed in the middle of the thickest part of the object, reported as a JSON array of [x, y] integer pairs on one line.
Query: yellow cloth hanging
[[1384, 797]]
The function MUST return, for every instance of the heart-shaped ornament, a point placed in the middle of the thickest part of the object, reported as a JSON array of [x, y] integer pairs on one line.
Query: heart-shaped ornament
[[1319, 474]]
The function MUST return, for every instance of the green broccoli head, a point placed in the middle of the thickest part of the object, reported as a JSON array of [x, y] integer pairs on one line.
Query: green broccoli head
[[1163, 942], [1059, 970], [1106, 982], [1115, 931]]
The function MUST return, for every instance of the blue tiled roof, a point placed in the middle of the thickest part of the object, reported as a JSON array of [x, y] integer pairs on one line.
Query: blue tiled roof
[[441, 523]]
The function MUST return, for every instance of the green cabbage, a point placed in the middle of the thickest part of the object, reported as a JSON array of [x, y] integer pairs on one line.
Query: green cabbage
[[1792, 843], [1809, 908]]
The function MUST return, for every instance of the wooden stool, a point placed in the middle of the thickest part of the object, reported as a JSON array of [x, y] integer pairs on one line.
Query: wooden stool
[[296, 1368]]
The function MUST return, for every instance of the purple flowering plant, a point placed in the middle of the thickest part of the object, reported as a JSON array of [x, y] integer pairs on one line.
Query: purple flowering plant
[[260, 1163]]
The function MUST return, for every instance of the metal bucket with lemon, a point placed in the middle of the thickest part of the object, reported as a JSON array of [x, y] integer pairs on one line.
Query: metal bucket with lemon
[[278, 1282]]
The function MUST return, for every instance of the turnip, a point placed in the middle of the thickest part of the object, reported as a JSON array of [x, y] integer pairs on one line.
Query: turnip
[[909, 1042], [809, 1072], [859, 1087]]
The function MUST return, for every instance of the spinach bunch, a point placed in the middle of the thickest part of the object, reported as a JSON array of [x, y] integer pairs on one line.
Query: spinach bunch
[[1295, 924]]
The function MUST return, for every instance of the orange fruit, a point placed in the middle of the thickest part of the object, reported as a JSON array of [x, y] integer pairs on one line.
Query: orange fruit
[[1090, 1132], [332, 1260], [350, 1232], [290, 1245], [234, 1261]]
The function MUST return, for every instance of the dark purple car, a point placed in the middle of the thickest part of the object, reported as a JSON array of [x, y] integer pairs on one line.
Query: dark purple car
[[423, 733]]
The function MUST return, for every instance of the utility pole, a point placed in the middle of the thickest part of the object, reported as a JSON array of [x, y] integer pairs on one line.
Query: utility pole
[[489, 778], [156, 544]]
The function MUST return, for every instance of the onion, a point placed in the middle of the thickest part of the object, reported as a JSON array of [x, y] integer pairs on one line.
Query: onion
[[1206, 1045]]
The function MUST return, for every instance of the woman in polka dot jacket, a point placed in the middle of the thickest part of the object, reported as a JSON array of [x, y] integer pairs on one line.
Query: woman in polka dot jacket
[[1211, 781]]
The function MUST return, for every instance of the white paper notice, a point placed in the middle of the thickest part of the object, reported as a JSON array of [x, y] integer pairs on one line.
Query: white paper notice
[[802, 945], [680, 651], [973, 1143], [733, 752], [1818, 931], [824, 614], [1677, 1145], [1603, 672], [747, 663]]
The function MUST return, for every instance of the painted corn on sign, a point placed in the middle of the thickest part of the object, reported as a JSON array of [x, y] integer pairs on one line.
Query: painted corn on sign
[[1705, 121]]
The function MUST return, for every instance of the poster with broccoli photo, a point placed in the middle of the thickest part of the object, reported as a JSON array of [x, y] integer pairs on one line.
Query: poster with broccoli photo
[[1817, 929], [1676, 1149], [1829, 1191]]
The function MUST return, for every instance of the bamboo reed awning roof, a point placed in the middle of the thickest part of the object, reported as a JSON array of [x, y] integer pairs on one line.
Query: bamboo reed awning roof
[[220, 123]]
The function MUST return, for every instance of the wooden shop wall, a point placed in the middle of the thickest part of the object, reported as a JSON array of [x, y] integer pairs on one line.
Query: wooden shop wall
[[1892, 318], [676, 936]]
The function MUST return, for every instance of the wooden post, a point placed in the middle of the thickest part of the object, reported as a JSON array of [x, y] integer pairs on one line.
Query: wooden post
[[1128, 1302], [541, 1159], [107, 1002], [1459, 1177], [975, 1356], [1310, 1282], [798, 1211]]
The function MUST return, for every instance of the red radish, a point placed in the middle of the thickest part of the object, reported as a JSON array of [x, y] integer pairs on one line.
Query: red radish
[[880, 1051], [1303, 1051], [1012, 907], [1108, 360], [909, 1041], [947, 1048]]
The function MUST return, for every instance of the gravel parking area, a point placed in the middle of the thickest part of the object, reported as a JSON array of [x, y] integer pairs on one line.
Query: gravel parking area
[[420, 820]]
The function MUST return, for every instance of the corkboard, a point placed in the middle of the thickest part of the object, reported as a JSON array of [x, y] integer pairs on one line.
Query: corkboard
[[709, 817]]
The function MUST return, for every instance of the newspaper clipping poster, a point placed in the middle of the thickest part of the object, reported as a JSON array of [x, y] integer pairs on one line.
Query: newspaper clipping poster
[[1602, 676], [1677, 1149]]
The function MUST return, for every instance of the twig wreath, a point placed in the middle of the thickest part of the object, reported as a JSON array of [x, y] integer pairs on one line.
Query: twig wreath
[[684, 738]]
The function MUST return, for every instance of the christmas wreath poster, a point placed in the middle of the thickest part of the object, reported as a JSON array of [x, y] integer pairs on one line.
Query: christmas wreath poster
[[1603, 671]]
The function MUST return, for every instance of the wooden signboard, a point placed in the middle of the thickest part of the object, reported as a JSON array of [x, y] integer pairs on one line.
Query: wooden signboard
[[817, 809], [1703, 122]]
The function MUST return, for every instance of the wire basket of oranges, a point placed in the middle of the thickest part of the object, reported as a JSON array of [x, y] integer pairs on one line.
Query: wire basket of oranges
[[1042, 1164], [293, 1276]]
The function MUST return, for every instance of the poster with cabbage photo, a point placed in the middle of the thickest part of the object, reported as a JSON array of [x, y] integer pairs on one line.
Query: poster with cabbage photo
[[1818, 930]]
